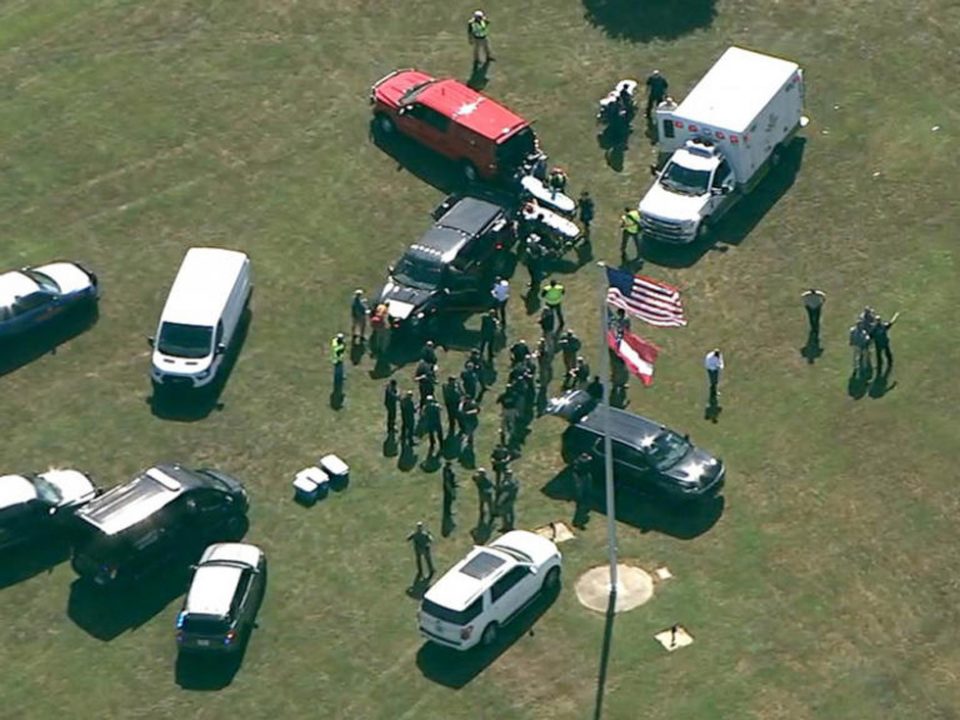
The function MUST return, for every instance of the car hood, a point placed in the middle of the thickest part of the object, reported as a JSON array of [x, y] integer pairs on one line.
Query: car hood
[[536, 546], [698, 466], [391, 89], [75, 487], [68, 276], [402, 300], [662, 203]]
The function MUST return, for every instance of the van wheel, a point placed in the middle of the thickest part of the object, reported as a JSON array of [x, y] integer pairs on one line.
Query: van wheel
[[551, 583], [236, 527], [384, 124], [489, 636], [469, 171], [703, 229]]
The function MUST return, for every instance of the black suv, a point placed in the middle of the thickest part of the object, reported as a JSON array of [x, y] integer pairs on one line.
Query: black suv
[[166, 514], [647, 456], [452, 267], [39, 506]]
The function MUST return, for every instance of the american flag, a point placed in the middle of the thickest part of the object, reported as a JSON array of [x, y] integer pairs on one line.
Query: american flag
[[651, 300]]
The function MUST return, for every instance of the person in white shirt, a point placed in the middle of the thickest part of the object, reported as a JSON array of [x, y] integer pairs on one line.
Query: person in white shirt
[[713, 362], [813, 301], [500, 294]]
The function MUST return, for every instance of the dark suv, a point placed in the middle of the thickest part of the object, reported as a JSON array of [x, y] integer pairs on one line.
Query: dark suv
[[452, 267], [647, 456], [166, 514]]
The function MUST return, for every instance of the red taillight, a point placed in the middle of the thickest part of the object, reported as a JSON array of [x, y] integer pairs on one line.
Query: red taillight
[[230, 637], [466, 632], [499, 246]]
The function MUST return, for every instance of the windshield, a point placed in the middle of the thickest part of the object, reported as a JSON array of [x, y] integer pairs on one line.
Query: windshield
[[47, 491], [667, 450], [44, 281], [457, 617], [410, 95], [417, 272], [185, 341], [205, 624], [684, 180]]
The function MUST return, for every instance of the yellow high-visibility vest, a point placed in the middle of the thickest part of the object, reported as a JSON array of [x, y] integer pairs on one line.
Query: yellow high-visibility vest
[[338, 349], [478, 28], [631, 221], [553, 294]]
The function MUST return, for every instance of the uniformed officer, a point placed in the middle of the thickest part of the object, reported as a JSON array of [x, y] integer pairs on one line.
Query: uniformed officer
[[429, 354], [506, 500], [656, 90], [426, 378], [629, 231], [813, 301], [544, 362], [391, 397], [422, 540], [469, 377], [586, 210], [484, 495], [595, 388], [469, 418], [432, 422], [500, 292], [408, 418], [552, 294], [338, 349], [533, 257], [358, 316], [478, 31], [557, 180], [579, 375], [488, 334], [569, 345], [510, 411], [582, 478], [452, 394], [519, 352], [500, 458], [450, 487]]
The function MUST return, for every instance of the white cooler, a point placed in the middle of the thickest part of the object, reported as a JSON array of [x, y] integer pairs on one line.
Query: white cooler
[[337, 470], [310, 484]]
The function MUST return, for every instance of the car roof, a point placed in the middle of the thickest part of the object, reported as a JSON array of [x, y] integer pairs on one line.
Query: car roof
[[203, 285], [126, 505], [467, 218], [462, 583], [212, 589], [232, 552], [624, 426], [15, 490], [471, 110], [14, 284]]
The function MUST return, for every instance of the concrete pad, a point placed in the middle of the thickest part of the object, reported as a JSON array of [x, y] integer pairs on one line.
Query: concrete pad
[[663, 573], [674, 638], [556, 531], [635, 587]]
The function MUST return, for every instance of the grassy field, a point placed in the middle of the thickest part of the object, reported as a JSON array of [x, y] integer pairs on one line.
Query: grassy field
[[826, 589]]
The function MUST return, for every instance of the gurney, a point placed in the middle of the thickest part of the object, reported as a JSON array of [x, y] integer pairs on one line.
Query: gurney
[[558, 201]]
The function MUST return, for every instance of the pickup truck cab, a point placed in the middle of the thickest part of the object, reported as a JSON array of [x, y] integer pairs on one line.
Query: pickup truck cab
[[486, 139]]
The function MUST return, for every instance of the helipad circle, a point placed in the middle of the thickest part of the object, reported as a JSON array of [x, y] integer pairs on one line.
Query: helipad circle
[[634, 588]]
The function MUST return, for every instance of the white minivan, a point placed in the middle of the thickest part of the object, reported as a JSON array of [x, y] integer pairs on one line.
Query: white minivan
[[199, 323]]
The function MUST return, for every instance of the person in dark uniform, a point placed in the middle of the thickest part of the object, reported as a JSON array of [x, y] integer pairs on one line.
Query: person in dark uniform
[[578, 376], [509, 412], [422, 540], [469, 379], [582, 479], [507, 500], [881, 341], [391, 397], [500, 458], [586, 210], [569, 345], [595, 388], [469, 418], [450, 487], [429, 354], [656, 90], [426, 378], [433, 423], [533, 256], [408, 419], [519, 352], [485, 496], [452, 394], [488, 334]]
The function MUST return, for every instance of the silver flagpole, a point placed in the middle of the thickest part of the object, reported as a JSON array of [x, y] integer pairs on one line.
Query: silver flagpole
[[607, 444]]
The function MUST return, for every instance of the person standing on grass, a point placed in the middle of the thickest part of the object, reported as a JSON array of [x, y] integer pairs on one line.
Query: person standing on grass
[[478, 31], [656, 90], [452, 395], [552, 294], [338, 349], [586, 210], [501, 457], [485, 496], [422, 540], [433, 423], [426, 379], [544, 363], [533, 256], [507, 499], [358, 316], [813, 301], [881, 341], [450, 486], [569, 346], [391, 398], [408, 419], [713, 362], [488, 335], [860, 342], [501, 294], [629, 232], [469, 413], [469, 380]]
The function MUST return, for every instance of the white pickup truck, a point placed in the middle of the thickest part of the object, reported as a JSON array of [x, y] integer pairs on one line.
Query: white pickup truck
[[720, 141]]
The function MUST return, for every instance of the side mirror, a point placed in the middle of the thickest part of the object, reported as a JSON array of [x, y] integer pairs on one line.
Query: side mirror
[[532, 569], [716, 191], [52, 511], [151, 341], [221, 348], [403, 110], [390, 270]]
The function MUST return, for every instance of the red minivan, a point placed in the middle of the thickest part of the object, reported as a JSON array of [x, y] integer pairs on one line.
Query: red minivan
[[486, 139]]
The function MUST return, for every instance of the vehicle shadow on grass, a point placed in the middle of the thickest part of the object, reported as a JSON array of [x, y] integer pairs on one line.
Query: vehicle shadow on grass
[[15, 353], [454, 669], [428, 166], [643, 512], [190, 406], [105, 613], [733, 228], [649, 20], [19, 564]]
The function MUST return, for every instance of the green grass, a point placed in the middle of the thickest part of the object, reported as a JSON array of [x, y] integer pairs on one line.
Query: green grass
[[130, 131]]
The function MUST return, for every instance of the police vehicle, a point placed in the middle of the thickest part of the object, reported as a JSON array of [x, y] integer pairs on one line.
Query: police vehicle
[[34, 297]]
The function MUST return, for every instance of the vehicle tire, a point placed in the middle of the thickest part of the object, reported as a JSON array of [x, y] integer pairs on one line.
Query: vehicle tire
[[469, 172], [703, 229], [489, 636], [236, 527], [384, 124], [551, 583]]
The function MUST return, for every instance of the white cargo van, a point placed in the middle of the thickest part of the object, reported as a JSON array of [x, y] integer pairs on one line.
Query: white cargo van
[[720, 141], [200, 319]]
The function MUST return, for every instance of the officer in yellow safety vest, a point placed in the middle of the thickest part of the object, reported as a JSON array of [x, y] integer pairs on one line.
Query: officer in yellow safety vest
[[477, 32], [629, 230], [338, 348], [552, 293]]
